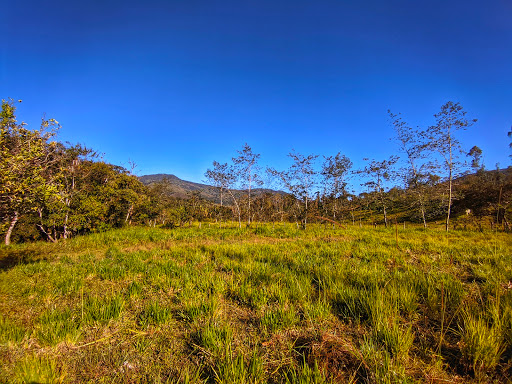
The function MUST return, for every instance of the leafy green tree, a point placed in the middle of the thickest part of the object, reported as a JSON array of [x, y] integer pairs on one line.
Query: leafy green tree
[[55, 214], [25, 157], [475, 154]]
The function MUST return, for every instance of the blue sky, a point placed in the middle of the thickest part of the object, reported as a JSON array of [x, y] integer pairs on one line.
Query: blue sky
[[173, 85]]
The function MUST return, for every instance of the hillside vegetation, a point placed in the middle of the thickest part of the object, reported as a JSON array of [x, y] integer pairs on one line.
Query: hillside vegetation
[[265, 304], [51, 190]]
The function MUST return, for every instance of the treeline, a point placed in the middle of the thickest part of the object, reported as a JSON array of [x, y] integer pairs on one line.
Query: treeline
[[52, 190], [431, 178]]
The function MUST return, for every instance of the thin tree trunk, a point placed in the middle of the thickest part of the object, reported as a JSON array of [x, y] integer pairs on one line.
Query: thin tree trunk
[[10, 229], [237, 209], [41, 228], [249, 202], [423, 216], [66, 232], [129, 213], [447, 225], [306, 214], [384, 209]]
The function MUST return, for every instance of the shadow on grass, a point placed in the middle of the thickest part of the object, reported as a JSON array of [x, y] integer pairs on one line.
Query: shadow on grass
[[11, 258]]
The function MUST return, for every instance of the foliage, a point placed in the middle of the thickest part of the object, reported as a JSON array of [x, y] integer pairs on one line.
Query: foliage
[[25, 159], [59, 188]]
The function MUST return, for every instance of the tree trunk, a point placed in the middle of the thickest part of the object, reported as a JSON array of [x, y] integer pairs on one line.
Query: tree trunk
[[48, 236], [128, 214], [249, 202], [237, 209], [447, 224], [384, 209], [66, 232], [306, 214], [14, 220], [423, 216]]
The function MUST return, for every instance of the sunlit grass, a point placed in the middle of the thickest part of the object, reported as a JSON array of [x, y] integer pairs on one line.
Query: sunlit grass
[[269, 303]]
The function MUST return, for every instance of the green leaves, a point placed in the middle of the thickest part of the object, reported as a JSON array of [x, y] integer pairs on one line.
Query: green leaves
[[69, 191]]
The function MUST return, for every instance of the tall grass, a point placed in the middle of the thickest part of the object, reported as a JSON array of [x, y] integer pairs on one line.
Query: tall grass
[[266, 304]]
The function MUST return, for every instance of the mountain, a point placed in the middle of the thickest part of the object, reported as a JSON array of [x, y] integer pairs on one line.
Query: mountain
[[183, 188]]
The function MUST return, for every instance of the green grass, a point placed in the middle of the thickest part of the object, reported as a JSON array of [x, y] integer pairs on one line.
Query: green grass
[[267, 304]]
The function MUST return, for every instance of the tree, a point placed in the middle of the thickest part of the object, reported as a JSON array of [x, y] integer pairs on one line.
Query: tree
[[442, 140], [299, 179], [56, 214], [246, 165], [25, 156], [219, 177], [415, 174], [476, 159], [379, 172], [334, 171], [224, 177]]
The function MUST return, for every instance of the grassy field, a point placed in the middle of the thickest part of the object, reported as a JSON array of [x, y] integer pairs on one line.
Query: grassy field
[[259, 305]]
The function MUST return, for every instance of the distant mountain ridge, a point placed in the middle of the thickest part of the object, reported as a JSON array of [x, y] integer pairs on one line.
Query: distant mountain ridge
[[174, 180], [182, 188]]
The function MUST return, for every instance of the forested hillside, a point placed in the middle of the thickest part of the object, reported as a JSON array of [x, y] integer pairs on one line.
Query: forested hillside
[[52, 190]]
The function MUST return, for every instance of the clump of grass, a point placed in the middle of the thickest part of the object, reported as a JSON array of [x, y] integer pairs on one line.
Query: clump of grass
[[379, 364], [317, 310], [103, 310], [10, 333], [235, 368], [481, 343], [306, 375], [278, 317], [214, 338], [246, 293], [196, 306], [37, 369], [67, 282], [111, 271], [56, 325], [386, 327], [154, 313], [349, 304], [134, 289]]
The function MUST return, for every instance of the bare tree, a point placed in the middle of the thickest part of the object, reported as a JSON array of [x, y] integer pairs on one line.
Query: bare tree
[[334, 171], [246, 165], [300, 180], [218, 177], [442, 140], [224, 177], [379, 172], [411, 143]]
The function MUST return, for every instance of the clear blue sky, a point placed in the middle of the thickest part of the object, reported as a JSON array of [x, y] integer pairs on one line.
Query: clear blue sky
[[173, 85]]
